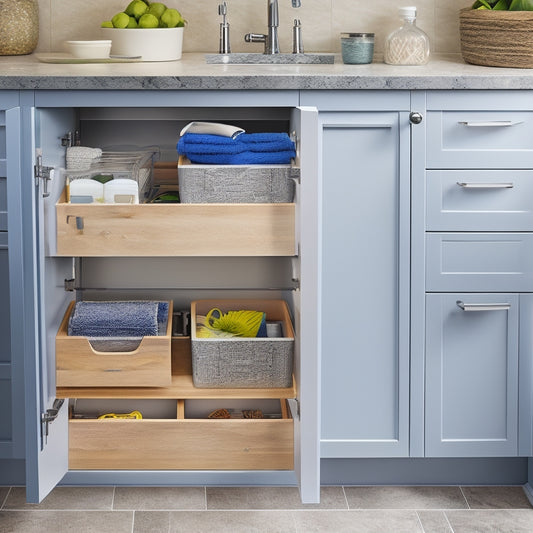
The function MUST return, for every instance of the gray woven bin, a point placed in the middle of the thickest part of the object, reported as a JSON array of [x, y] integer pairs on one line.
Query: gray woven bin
[[243, 362], [236, 183]]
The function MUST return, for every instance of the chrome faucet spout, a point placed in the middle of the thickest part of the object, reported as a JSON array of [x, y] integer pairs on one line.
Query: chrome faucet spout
[[271, 39]]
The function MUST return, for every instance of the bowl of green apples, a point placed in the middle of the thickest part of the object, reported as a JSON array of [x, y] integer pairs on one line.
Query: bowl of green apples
[[148, 30]]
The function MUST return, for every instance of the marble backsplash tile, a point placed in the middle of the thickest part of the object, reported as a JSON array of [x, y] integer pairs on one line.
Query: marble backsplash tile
[[322, 21]]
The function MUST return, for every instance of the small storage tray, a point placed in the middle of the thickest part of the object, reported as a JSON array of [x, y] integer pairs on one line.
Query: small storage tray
[[235, 183], [183, 443], [78, 364], [243, 362]]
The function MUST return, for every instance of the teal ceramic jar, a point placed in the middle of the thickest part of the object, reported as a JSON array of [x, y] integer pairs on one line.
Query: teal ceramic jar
[[357, 48], [19, 27]]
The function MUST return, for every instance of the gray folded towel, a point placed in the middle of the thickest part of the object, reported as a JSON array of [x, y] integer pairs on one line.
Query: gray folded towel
[[117, 319]]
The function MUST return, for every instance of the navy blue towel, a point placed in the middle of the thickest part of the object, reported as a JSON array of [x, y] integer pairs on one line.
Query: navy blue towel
[[246, 148], [117, 319]]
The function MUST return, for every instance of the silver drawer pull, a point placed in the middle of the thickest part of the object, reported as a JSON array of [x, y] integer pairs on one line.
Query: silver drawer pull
[[483, 307], [473, 185], [490, 123]]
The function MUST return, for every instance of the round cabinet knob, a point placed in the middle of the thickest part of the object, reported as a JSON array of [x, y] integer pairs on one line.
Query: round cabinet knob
[[415, 117]]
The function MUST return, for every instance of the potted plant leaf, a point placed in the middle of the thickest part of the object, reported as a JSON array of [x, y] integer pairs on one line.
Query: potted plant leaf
[[498, 33]]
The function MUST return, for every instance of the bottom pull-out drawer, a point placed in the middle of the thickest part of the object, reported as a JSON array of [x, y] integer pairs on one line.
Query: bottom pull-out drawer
[[183, 443]]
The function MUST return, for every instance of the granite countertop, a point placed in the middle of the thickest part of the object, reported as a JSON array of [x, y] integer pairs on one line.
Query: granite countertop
[[192, 72]]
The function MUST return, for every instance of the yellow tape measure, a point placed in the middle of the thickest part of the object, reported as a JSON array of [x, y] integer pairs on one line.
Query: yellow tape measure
[[132, 415]]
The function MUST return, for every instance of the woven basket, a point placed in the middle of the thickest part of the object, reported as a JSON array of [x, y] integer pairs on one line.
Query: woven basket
[[497, 38]]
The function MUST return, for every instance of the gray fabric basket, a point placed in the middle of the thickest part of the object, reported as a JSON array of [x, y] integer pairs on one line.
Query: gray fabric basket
[[246, 363], [237, 362], [236, 183]]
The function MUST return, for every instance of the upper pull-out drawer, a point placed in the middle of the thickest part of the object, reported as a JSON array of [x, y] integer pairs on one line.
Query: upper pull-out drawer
[[479, 139], [169, 230], [488, 262], [479, 200]]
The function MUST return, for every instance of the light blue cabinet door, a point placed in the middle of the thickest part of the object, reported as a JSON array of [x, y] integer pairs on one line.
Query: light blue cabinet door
[[472, 375], [365, 285]]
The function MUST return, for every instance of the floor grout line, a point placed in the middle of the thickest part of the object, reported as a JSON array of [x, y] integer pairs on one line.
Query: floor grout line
[[5, 499], [113, 498], [464, 496], [345, 498], [448, 521]]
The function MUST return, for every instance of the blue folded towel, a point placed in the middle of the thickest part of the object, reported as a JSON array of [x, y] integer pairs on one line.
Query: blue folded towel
[[246, 148], [117, 319]]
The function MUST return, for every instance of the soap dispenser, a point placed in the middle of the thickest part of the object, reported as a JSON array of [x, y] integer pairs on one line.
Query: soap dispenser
[[408, 45]]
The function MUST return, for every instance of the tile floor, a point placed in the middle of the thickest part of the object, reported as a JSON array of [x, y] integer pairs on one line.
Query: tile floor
[[268, 509]]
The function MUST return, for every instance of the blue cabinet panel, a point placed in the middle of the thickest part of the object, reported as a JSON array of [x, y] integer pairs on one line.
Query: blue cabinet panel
[[479, 200], [365, 265], [479, 262], [472, 375], [479, 139]]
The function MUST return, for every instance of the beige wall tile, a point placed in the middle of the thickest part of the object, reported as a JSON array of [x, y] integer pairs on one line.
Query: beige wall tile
[[322, 21]]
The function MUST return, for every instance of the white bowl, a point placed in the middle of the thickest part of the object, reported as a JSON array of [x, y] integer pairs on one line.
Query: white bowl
[[152, 44], [89, 49]]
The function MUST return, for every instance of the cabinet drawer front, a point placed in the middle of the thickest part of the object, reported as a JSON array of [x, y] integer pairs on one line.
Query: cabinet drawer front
[[181, 444], [479, 262], [479, 200], [175, 230], [479, 139], [471, 375]]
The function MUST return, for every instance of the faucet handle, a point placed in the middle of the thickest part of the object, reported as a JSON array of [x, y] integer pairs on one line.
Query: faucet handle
[[296, 3]]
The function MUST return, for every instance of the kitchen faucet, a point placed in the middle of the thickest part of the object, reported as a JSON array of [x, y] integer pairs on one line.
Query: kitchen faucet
[[271, 38]]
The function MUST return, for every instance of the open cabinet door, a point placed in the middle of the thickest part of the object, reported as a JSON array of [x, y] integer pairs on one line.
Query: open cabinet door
[[306, 304], [45, 301]]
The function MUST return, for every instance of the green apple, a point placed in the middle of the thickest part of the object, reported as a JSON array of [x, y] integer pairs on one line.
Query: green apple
[[148, 21], [171, 18], [120, 20]]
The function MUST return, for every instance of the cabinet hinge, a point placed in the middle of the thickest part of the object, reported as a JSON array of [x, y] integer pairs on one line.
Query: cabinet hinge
[[42, 172], [48, 417]]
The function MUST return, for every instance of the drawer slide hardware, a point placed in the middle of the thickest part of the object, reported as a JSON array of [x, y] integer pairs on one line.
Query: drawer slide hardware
[[49, 416], [490, 123], [483, 307], [294, 407], [42, 172], [79, 221], [470, 185]]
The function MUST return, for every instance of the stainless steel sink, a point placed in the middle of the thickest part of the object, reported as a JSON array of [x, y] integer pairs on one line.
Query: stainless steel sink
[[270, 59]]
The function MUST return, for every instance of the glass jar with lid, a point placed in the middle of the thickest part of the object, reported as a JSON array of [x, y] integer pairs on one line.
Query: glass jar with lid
[[357, 48], [408, 45]]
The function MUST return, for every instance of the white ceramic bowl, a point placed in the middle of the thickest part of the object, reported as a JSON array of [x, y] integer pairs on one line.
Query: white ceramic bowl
[[157, 44], [89, 49]]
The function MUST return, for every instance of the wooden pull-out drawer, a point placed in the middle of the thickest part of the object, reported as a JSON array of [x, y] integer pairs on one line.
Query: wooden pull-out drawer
[[479, 200], [78, 364], [488, 262], [172, 230], [479, 139], [183, 443]]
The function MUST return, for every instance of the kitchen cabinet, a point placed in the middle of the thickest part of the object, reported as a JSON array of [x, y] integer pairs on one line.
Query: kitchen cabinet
[[365, 221], [178, 270], [477, 249]]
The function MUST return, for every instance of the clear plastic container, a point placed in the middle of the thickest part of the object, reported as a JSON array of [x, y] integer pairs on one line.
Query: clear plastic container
[[408, 45]]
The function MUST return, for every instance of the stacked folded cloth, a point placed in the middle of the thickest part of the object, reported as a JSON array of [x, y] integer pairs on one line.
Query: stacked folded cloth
[[244, 149], [118, 319]]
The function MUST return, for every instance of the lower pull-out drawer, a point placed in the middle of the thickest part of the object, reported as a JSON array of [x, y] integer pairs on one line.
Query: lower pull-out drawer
[[183, 443]]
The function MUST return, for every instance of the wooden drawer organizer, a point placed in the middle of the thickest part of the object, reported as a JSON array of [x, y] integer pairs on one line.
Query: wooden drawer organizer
[[79, 365], [181, 443], [97, 230]]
